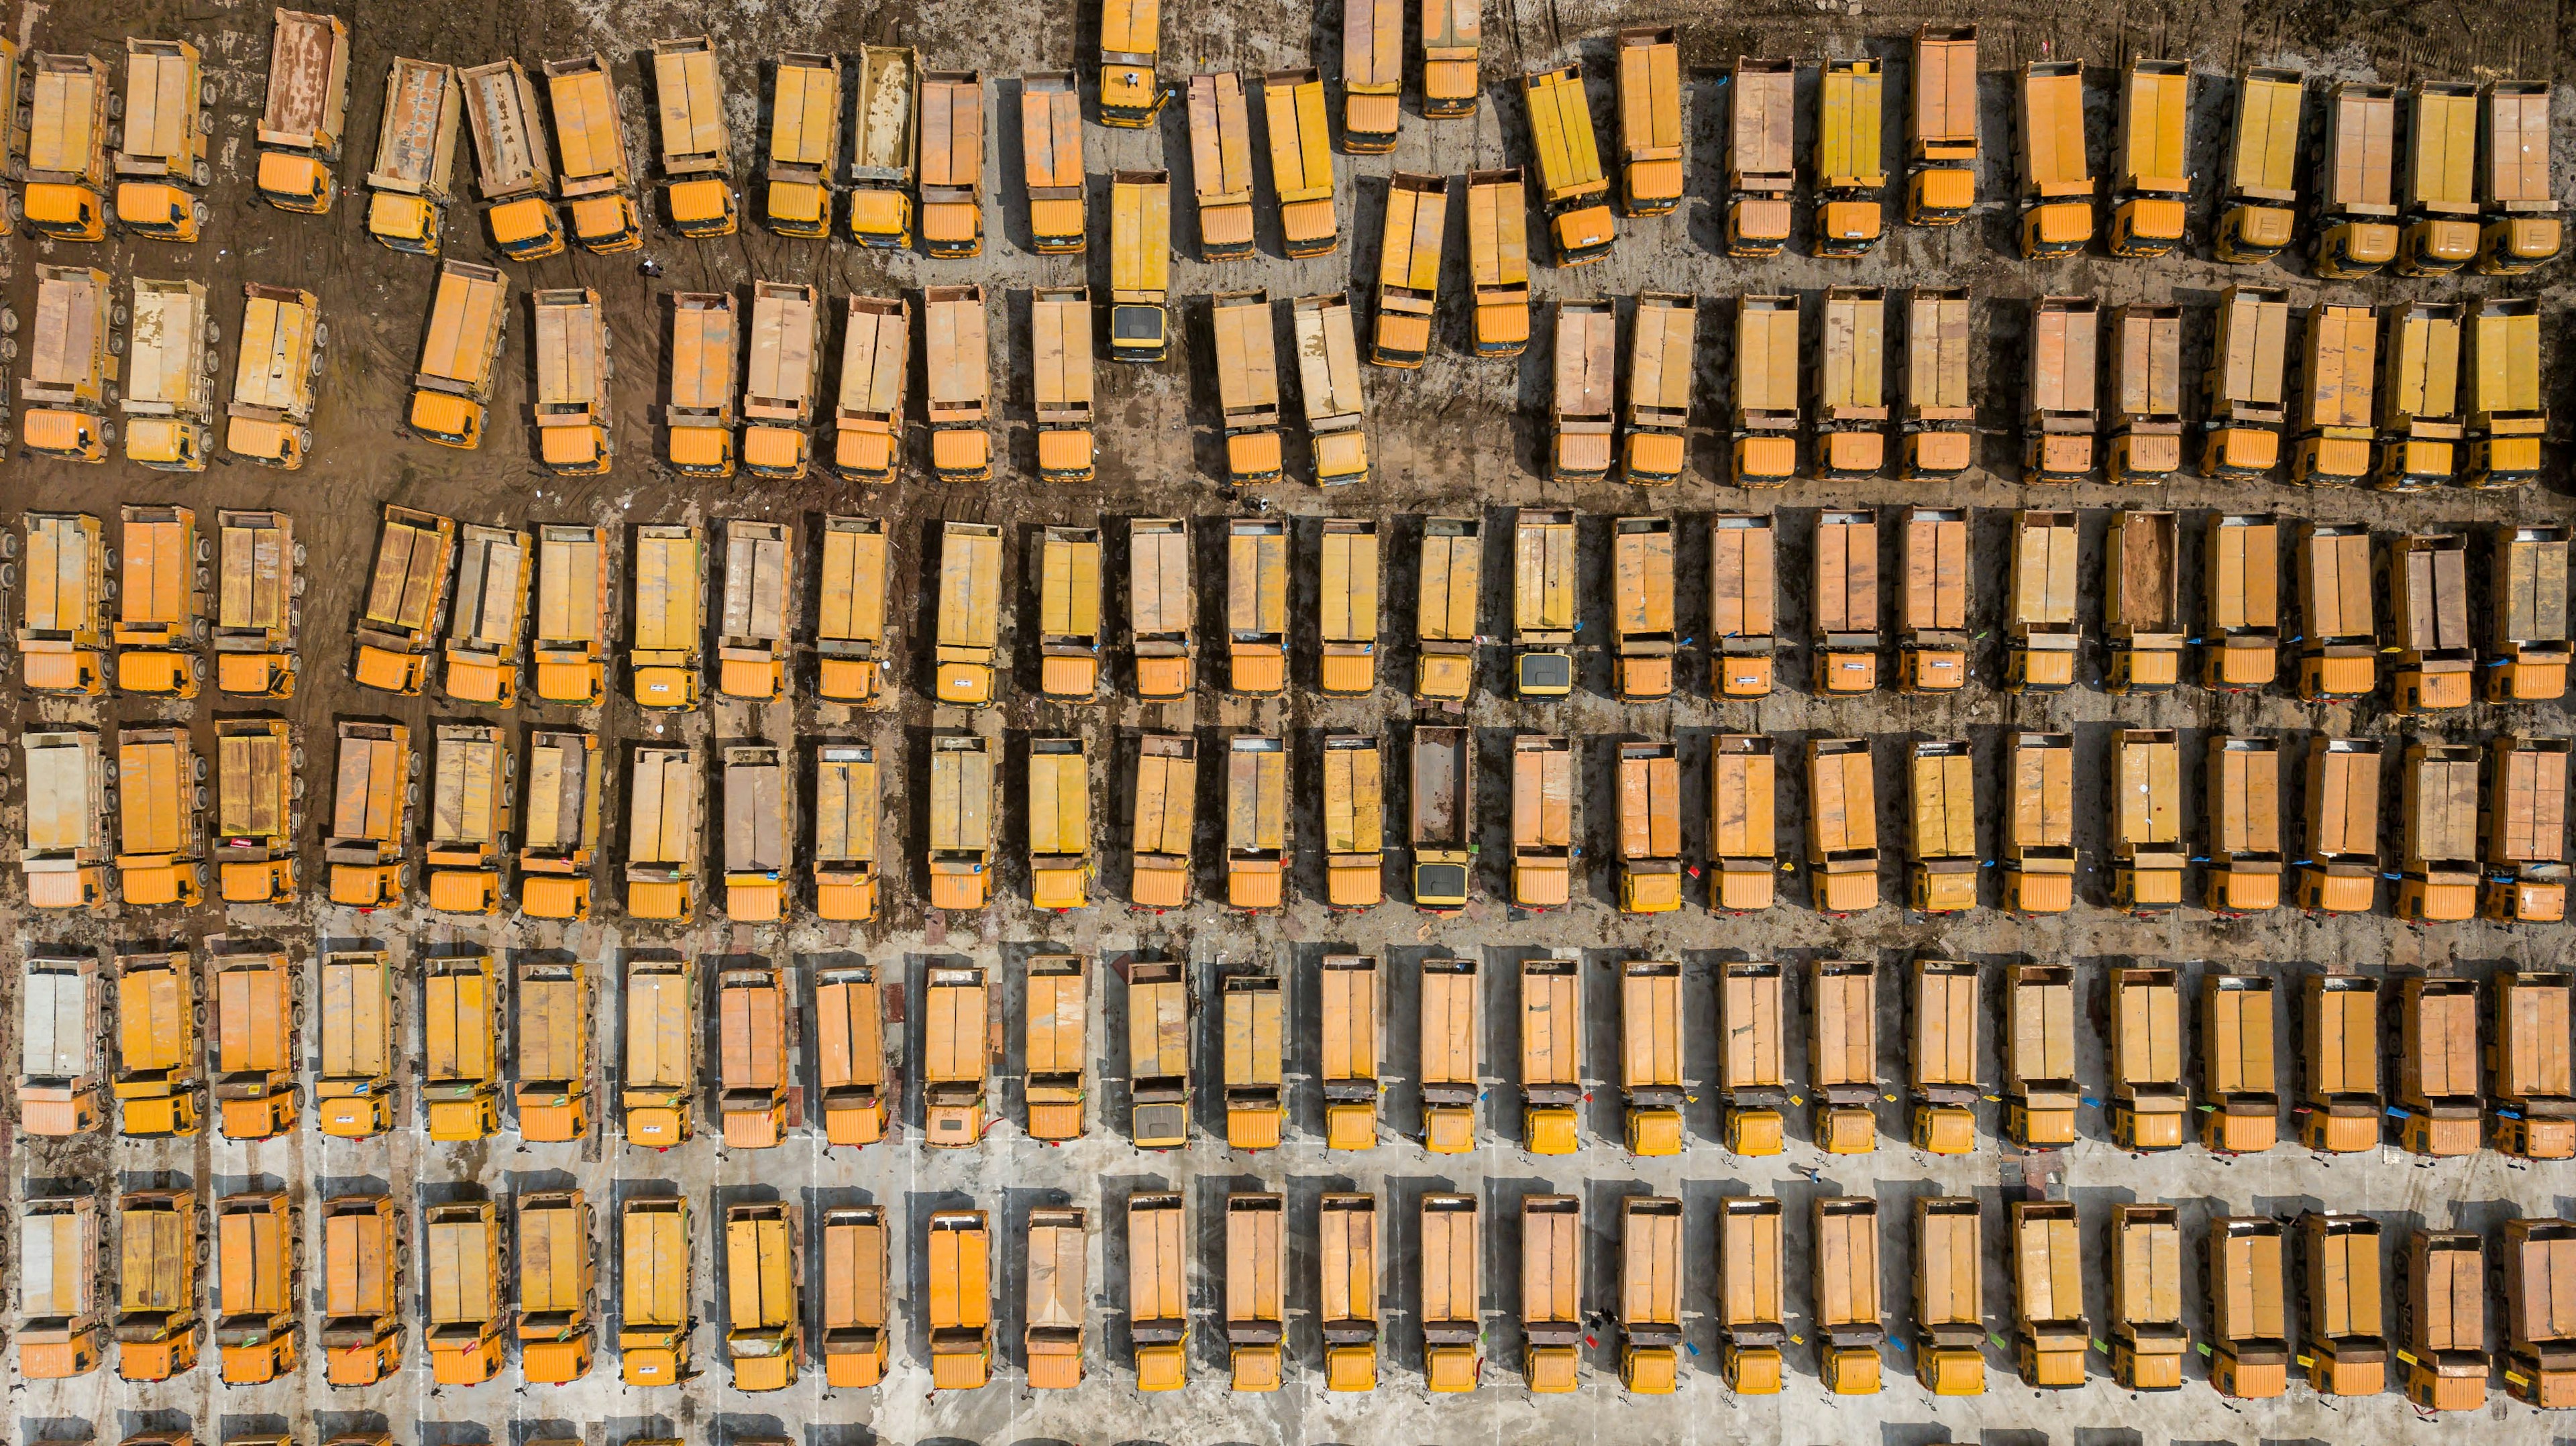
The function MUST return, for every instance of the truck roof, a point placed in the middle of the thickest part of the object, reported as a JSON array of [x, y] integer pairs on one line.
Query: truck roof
[[1453, 556], [1945, 1022], [1849, 151], [509, 146], [961, 796], [2065, 335], [154, 815], [1497, 229], [1301, 159], [851, 1013], [1059, 797], [959, 356], [688, 92], [554, 1252], [2052, 129], [1842, 812], [2043, 774], [2040, 1006], [1354, 819], [251, 1005], [706, 340], [56, 1258], [2243, 561], [2245, 1278], [756, 835], [1650, 810], [2048, 1262], [1373, 43], [1846, 572], [1650, 103], [952, 129], [1936, 570], [751, 1008], [1057, 986], [253, 1249], [1328, 360], [1749, 1023], [1060, 357], [2263, 148], [780, 384], [2516, 176]]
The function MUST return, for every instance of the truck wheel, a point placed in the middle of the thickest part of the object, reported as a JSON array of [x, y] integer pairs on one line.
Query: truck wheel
[[8, 575], [9, 347], [214, 334], [116, 344], [200, 768], [298, 756], [295, 791], [107, 430], [8, 540], [295, 615], [321, 335], [115, 105], [8, 323], [197, 670], [205, 553], [296, 588], [205, 175], [411, 766], [299, 556]]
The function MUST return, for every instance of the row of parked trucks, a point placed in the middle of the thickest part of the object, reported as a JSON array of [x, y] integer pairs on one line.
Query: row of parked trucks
[[2329, 1269], [234, 594]]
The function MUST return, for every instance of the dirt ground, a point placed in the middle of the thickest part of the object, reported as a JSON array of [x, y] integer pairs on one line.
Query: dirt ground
[[1459, 436]]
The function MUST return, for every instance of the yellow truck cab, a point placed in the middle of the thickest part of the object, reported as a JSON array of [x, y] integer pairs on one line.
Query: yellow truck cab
[[656, 1290], [461, 1078], [706, 357], [510, 157], [1498, 260], [1130, 39], [1941, 130], [474, 781], [960, 1247], [1551, 1041], [659, 1074], [876, 374], [1060, 367], [252, 1043], [697, 145], [161, 602], [805, 146], [666, 658], [164, 147], [2520, 230], [573, 370], [1543, 610], [415, 156], [1408, 269], [2056, 179], [1851, 159], [845, 832], [2527, 644], [301, 125], [1051, 176], [63, 192], [2152, 186], [1349, 1294], [1452, 32], [551, 1091], [1372, 74], [1571, 185], [590, 145], [353, 1098], [160, 833], [1650, 120], [1301, 163], [2260, 207], [157, 1326], [2356, 227], [270, 418], [961, 821], [1761, 156], [258, 1238], [74, 367], [856, 1292], [1765, 451], [2440, 197], [157, 1085], [1061, 866], [170, 383], [666, 810], [1221, 163], [571, 630], [951, 110], [958, 356], [459, 350], [2507, 414]]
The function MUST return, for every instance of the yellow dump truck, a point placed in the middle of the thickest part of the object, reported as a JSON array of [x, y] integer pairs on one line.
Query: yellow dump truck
[[2061, 401], [850, 1018], [1650, 828], [759, 587], [2535, 1105], [805, 146], [1551, 1036], [1650, 120], [1158, 1290], [256, 810], [555, 1268], [2043, 629], [573, 619], [1851, 164], [1842, 1047], [2440, 1106], [1543, 602], [906, 117], [1846, 607], [855, 1293], [2261, 201], [1580, 416], [2151, 188], [1851, 395], [2040, 1093], [666, 808], [752, 1027], [162, 602], [511, 159], [1752, 1026], [2506, 414], [1761, 156], [2250, 1355], [957, 1059], [2340, 1095], [412, 180], [1301, 162], [763, 1272], [560, 831], [2148, 1341], [656, 1283], [2055, 178], [1069, 597], [1060, 327], [1130, 39], [2147, 850], [1743, 603], [1766, 389], [1408, 264], [759, 833], [63, 192], [2342, 1295], [1449, 1253], [353, 1098], [1650, 1289], [2440, 211], [63, 1047], [2523, 818], [63, 1312], [1743, 832], [1347, 592], [1498, 260], [156, 1081], [1221, 164], [1253, 1009], [157, 1328], [660, 1070], [2146, 393], [1059, 813], [2442, 1320], [1328, 374], [571, 404], [1942, 826], [1642, 623], [1932, 612], [2356, 225], [2439, 862], [73, 370], [490, 619], [961, 822], [2335, 411], [697, 145], [1943, 1011], [2420, 422], [170, 380], [850, 628], [2243, 799], [1256, 822], [1842, 825], [1848, 1311], [666, 653], [553, 1094], [1552, 1319], [1445, 596], [2245, 384], [1057, 990], [1349, 1269], [706, 355], [1247, 385], [1158, 1054], [1650, 1055], [961, 1300], [2241, 572], [1938, 438], [1450, 1037], [2341, 873], [1165, 816], [2039, 839], [1256, 1289], [846, 807], [458, 354], [68, 848], [1660, 368], [160, 828], [461, 1081], [307, 107], [2520, 227], [373, 795], [779, 389], [960, 372], [1140, 268], [62, 618], [259, 1243], [951, 120], [1949, 1295], [2527, 646], [1542, 820], [2338, 656], [1372, 74], [1355, 820], [2049, 1331], [364, 1250], [468, 1318], [1572, 188], [251, 1043], [1941, 130], [590, 147], [2426, 577], [1058, 1254], [2539, 1257]]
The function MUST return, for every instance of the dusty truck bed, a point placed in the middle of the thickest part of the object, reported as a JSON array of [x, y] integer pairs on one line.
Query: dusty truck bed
[[1462, 437]]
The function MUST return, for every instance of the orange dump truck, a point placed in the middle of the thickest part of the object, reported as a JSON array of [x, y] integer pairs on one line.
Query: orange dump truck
[[2341, 874], [1949, 1295], [251, 1043], [1552, 1320], [2342, 1300], [1158, 1315], [2438, 877], [553, 1094], [2531, 1082], [1650, 828], [2147, 852], [2249, 1355], [1842, 1051], [1761, 155], [2050, 1335], [2148, 1341], [1846, 604], [2442, 1320], [1942, 780], [1941, 130], [259, 1243], [1059, 1250], [1256, 822], [1349, 1290], [63, 629], [61, 1291], [955, 1056], [1743, 601], [1751, 1281], [406, 596], [2340, 1095], [63, 1047], [846, 809], [462, 1081], [371, 815], [560, 829], [257, 817], [764, 1292], [754, 1025], [1650, 1055], [1256, 1289], [2437, 1066], [855, 1294], [156, 1081], [1254, 1019], [2040, 1092], [1842, 825], [659, 1079], [159, 1239], [656, 1278], [849, 1018], [1453, 1327], [1944, 1012], [1057, 990], [1848, 1310], [363, 1274], [2427, 580], [555, 1266], [163, 607], [353, 1098], [1542, 820], [2527, 644], [1447, 1075], [2540, 1311], [1752, 1027], [1165, 819], [2240, 1076], [2149, 1101], [1354, 1026], [1551, 1035], [1650, 1292]]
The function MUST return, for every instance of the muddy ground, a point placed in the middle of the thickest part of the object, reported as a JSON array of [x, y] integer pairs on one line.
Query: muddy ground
[[1460, 435]]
